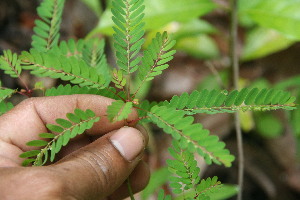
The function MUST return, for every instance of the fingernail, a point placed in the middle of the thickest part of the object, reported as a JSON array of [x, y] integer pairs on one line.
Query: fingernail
[[129, 142]]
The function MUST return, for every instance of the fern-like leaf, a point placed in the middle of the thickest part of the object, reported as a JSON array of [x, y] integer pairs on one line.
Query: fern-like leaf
[[70, 48], [109, 92], [129, 31], [211, 102], [118, 79], [144, 107], [187, 175], [10, 63], [191, 136], [207, 186], [93, 55], [47, 28], [67, 69], [155, 58], [77, 123], [119, 110], [185, 168]]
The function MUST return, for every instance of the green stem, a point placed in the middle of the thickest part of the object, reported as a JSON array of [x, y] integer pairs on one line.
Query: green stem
[[130, 189]]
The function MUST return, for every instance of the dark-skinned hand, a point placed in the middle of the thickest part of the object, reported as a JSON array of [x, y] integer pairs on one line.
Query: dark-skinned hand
[[93, 166]]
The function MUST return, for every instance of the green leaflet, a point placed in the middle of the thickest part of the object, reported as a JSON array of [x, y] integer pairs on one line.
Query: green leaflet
[[159, 13], [109, 92], [47, 28], [6, 93], [155, 58], [4, 107], [215, 101], [93, 55], [119, 110], [67, 69], [78, 122], [185, 168], [282, 16], [118, 79], [209, 185], [161, 196], [145, 106], [190, 136], [129, 32], [70, 48], [10, 63], [186, 172], [261, 42]]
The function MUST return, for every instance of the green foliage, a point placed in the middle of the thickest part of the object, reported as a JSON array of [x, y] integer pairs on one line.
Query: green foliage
[[6, 93], [93, 55], [84, 64], [10, 63], [4, 107], [70, 48], [94, 5], [118, 78], [223, 192], [159, 13], [262, 41], [157, 179], [129, 32], [67, 69], [119, 110], [215, 101], [156, 57], [282, 16], [161, 196], [190, 136], [60, 135], [187, 175], [200, 46], [47, 28], [268, 125], [109, 92]]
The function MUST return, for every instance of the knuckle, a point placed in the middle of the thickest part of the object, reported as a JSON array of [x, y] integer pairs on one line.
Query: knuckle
[[100, 166]]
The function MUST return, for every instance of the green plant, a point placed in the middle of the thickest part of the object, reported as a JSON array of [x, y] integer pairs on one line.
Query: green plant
[[84, 64]]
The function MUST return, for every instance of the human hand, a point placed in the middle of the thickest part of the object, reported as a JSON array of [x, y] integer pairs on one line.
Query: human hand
[[94, 165]]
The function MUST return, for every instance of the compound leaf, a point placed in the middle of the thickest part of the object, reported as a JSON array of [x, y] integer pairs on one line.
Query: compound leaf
[[190, 136], [10, 63], [47, 28], [119, 110], [79, 122]]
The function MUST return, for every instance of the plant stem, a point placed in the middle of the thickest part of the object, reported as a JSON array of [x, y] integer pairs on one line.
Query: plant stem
[[130, 189], [235, 68]]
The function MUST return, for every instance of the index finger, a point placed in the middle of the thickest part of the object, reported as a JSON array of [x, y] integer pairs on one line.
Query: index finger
[[28, 119]]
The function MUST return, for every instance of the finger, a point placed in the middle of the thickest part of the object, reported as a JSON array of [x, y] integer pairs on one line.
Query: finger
[[28, 119], [138, 179], [95, 171], [74, 145]]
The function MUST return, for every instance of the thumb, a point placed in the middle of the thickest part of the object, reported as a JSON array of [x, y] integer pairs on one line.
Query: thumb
[[97, 170]]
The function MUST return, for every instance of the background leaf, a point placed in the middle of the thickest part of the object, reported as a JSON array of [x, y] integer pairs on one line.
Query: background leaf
[[283, 16], [158, 13], [157, 179], [200, 46], [262, 41], [268, 125]]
